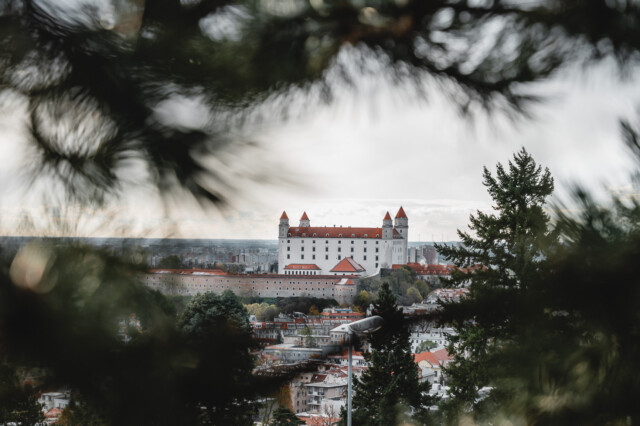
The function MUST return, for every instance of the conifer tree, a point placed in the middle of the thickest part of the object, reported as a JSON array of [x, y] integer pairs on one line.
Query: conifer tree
[[499, 264], [389, 388]]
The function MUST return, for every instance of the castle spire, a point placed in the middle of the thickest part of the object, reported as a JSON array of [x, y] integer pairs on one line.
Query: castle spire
[[304, 220]]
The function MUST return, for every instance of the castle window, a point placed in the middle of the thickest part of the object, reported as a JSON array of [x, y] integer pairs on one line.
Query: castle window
[[365, 241], [289, 234], [326, 249], [302, 241], [365, 258], [376, 265], [340, 241], [339, 257], [313, 257], [314, 241], [302, 256], [376, 257], [313, 249], [351, 249], [288, 256], [301, 248], [376, 242], [377, 236], [326, 257], [339, 249], [340, 235], [288, 248], [327, 241], [288, 241], [327, 236]]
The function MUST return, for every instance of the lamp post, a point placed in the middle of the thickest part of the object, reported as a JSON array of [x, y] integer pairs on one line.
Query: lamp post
[[363, 326]]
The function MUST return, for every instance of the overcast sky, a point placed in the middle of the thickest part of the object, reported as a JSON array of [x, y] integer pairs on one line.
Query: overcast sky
[[371, 150]]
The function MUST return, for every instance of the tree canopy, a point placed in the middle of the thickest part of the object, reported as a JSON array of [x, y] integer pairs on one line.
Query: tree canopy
[[498, 263], [98, 83], [389, 386]]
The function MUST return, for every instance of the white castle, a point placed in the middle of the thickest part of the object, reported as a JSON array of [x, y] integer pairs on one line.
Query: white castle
[[337, 250]]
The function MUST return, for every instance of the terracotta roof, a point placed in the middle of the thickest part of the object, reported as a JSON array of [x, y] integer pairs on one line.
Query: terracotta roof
[[317, 378], [284, 216], [442, 355], [347, 265], [387, 216], [302, 267], [304, 216], [401, 213], [54, 412], [425, 356], [335, 232]]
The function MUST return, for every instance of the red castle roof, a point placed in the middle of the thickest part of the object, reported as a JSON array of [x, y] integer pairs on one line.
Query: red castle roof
[[284, 216], [401, 213], [304, 216], [335, 232], [302, 267], [347, 265], [387, 216]]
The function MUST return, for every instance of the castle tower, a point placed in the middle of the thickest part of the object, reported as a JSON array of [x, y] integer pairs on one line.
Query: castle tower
[[402, 226], [402, 223], [283, 229], [304, 221], [387, 227]]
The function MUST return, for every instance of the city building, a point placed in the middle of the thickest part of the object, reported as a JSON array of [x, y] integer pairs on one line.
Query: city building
[[193, 281], [339, 250]]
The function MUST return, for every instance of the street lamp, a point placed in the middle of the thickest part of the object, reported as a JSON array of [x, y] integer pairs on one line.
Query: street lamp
[[363, 326]]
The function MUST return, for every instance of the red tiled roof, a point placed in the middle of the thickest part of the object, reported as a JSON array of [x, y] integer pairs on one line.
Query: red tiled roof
[[284, 216], [335, 232], [401, 213], [425, 356], [304, 216], [347, 265], [302, 267], [319, 420], [387, 216], [318, 378], [442, 355], [54, 412]]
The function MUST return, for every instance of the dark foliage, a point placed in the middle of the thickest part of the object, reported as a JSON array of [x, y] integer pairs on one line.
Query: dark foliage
[[283, 416], [18, 402], [218, 333], [62, 310], [498, 263], [389, 388], [303, 304], [96, 82]]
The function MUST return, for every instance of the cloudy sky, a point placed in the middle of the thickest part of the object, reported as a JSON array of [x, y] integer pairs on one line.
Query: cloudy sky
[[373, 149]]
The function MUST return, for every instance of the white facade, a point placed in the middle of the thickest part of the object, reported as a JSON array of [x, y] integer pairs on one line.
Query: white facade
[[302, 247]]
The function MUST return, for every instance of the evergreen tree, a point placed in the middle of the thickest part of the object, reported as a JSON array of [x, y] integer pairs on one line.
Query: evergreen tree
[[284, 417], [501, 264], [389, 389], [18, 404], [210, 322]]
